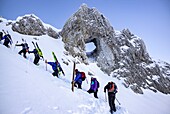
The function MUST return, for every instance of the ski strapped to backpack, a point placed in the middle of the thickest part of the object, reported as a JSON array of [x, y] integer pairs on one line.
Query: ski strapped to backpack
[[54, 56], [38, 49], [8, 36], [56, 60]]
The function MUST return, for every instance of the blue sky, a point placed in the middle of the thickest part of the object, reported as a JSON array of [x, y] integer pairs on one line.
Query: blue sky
[[148, 19]]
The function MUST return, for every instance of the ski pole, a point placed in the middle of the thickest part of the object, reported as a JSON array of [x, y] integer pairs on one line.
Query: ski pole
[[105, 97], [86, 80], [15, 45], [46, 65], [117, 101]]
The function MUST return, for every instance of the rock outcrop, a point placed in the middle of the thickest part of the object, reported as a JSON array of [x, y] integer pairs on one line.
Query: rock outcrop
[[120, 54], [32, 25]]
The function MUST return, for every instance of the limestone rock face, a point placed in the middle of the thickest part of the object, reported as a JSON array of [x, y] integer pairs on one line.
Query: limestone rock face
[[88, 25], [120, 54], [32, 25]]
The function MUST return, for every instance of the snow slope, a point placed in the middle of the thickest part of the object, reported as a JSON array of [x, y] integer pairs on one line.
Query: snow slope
[[29, 89]]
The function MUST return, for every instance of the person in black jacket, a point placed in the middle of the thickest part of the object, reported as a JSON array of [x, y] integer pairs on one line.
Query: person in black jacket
[[24, 50], [37, 57], [112, 90]]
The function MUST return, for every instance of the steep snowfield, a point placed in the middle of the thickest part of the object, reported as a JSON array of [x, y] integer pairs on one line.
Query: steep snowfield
[[29, 89]]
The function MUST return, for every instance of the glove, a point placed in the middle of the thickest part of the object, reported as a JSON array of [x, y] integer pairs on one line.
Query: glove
[[115, 92]]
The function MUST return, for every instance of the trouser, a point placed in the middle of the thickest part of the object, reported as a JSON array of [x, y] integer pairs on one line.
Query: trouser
[[92, 91], [77, 83], [24, 52], [111, 98], [6, 44], [36, 60], [55, 73]]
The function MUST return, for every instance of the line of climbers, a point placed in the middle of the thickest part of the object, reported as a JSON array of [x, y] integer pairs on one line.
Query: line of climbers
[[80, 76], [111, 88], [7, 38]]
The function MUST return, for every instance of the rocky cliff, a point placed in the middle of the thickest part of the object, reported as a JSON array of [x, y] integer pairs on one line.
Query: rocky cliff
[[120, 54]]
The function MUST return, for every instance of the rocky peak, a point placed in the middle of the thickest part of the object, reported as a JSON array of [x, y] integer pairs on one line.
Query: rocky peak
[[32, 25], [86, 25], [120, 54]]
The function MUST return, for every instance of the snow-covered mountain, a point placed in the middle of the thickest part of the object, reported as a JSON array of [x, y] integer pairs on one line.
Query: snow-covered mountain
[[29, 89]]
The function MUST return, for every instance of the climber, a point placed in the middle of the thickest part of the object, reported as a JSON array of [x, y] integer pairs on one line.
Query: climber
[[7, 39], [80, 76], [25, 48], [37, 56], [112, 90], [94, 85], [56, 67]]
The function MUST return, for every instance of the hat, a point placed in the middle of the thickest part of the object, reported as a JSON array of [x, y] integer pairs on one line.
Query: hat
[[76, 70]]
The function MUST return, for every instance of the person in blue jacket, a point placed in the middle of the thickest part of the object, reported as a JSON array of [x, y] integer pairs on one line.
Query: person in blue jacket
[[78, 79], [56, 67], [94, 85]]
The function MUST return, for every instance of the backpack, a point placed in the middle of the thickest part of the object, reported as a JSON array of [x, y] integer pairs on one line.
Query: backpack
[[25, 46], [39, 52], [83, 76], [112, 87]]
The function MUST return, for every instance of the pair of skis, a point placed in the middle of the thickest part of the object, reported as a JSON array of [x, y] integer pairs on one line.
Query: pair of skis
[[54, 56], [38, 49], [56, 60]]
